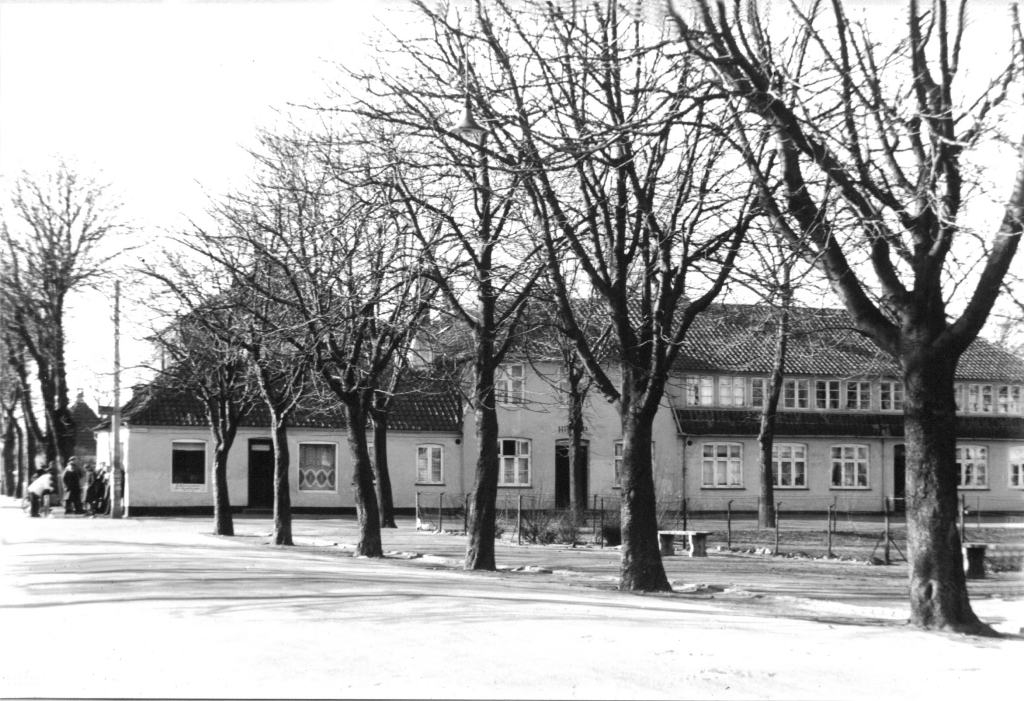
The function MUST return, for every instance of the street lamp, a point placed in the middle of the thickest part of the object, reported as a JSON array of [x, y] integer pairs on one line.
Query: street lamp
[[468, 128]]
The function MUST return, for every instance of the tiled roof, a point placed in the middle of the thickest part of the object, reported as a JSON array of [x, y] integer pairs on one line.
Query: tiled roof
[[740, 338], [718, 422], [429, 408], [85, 420]]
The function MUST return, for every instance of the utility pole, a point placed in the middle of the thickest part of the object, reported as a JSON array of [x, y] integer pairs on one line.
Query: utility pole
[[117, 471]]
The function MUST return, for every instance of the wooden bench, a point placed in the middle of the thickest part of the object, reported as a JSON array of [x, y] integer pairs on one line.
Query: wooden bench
[[697, 542]]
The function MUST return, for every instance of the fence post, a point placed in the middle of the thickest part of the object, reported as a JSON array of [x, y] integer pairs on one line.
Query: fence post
[[440, 513], [417, 511], [887, 531], [757, 510], [519, 522], [595, 502], [684, 515], [778, 510], [828, 527], [728, 524], [600, 534], [835, 513], [963, 507]]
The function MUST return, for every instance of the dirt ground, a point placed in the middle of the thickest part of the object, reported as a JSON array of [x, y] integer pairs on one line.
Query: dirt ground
[[158, 607]]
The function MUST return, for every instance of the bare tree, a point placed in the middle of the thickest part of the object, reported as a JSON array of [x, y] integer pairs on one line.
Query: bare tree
[[872, 149], [55, 238], [622, 165]]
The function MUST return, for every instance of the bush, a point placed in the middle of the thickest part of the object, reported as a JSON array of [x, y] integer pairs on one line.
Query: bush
[[611, 529], [539, 527], [570, 525]]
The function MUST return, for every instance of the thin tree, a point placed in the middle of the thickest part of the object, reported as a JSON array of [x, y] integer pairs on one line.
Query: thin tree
[[873, 152]]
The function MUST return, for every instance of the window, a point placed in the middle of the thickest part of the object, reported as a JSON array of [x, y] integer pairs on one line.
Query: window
[[429, 464], [732, 391], [958, 397], [722, 465], [789, 464], [1017, 466], [757, 392], [979, 399], [699, 391], [1008, 399], [891, 395], [510, 385], [858, 395], [826, 394], [515, 462], [318, 467], [850, 466], [972, 463], [188, 466], [795, 394], [618, 463]]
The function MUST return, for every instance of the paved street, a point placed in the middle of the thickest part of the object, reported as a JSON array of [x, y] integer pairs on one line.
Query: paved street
[[157, 607]]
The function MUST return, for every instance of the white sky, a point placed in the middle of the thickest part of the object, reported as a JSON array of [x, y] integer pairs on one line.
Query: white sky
[[160, 99]]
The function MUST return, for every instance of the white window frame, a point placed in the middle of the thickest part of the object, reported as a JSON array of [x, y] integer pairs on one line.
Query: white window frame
[[332, 444], [799, 388], [960, 397], [508, 388], [431, 449], [858, 395], [1008, 399], [728, 387], [797, 454], [1016, 407], [890, 395], [190, 487], [828, 394], [860, 457], [699, 390], [726, 471], [517, 457], [972, 466], [758, 390], [1015, 467], [980, 399]]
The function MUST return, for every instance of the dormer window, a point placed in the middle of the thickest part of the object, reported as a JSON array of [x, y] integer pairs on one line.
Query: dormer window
[[699, 391], [732, 391]]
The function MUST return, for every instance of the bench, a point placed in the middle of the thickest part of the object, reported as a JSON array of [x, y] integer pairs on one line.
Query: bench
[[697, 542]]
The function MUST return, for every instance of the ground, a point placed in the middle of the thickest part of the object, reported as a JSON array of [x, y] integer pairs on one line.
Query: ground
[[158, 607]]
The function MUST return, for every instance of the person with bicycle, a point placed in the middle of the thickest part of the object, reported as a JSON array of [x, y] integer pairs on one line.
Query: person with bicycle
[[40, 490]]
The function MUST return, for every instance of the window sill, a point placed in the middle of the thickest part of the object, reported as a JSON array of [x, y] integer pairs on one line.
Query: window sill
[[732, 487], [515, 486], [318, 491], [791, 489], [850, 489]]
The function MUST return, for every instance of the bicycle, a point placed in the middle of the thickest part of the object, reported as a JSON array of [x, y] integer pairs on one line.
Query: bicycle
[[44, 506]]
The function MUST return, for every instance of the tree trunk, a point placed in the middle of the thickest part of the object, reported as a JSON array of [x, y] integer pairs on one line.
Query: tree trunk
[[577, 456], [641, 568], [10, 440], [938, 587], [769, 412], [22, 476], [385, 499], [282, 495], [222, 521], [482, 512], [367, 513]]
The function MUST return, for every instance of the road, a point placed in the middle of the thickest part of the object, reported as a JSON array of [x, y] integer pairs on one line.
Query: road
[[157, 607]]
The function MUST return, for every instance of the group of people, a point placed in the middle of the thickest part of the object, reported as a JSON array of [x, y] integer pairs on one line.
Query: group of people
[[96, 483]]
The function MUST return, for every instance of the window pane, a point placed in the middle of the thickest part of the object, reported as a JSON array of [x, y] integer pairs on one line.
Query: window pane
[[508, 447]]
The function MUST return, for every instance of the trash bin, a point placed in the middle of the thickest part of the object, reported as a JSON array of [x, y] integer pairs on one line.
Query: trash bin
[[974, 560]]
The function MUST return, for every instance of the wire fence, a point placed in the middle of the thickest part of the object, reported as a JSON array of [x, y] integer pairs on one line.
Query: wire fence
[[804, 526]]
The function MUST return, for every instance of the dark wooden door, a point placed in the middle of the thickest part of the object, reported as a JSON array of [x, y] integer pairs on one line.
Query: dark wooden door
[[899, 478], [562, 485], [261, 474]]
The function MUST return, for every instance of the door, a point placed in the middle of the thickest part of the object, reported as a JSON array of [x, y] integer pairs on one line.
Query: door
[[261, 474], [563, 486], [899, 478]]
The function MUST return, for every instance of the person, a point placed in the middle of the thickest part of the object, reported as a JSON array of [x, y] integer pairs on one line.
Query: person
[[40, 488], [98, 491], [72, 489]]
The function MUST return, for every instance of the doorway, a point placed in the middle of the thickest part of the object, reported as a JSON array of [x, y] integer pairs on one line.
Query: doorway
[[563, 485], [899, 478], [261, 473]]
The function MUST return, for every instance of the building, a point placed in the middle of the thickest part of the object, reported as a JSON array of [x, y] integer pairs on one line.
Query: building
[[839, 436]]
